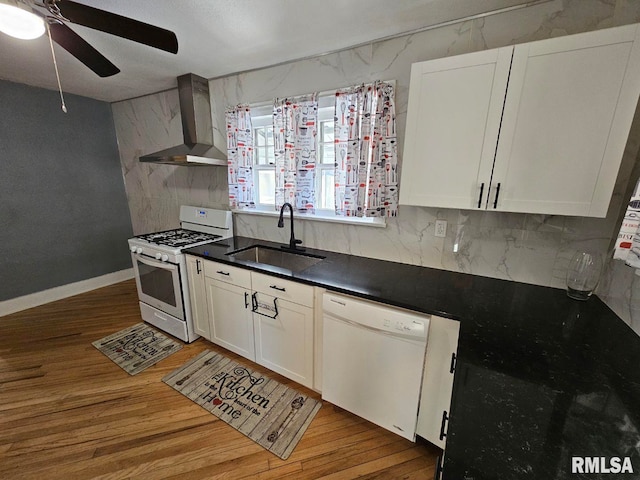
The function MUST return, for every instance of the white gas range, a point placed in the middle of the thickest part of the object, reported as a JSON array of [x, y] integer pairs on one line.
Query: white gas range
[[160, 268]]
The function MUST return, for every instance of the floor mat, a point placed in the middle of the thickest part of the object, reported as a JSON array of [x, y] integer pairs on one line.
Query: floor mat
[[268, 412], [137, 348]]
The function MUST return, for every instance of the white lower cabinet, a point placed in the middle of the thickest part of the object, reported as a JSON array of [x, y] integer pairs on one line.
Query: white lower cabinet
[[230, 317], [260, 317], [284, 344], [437, 382]]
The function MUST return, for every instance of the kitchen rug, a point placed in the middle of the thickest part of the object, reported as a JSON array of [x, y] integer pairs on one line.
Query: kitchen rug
[[269, 413], [137, 348]]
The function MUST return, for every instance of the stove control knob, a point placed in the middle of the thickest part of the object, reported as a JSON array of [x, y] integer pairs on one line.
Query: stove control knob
[[158, 256], [133, 249], [165, 257], [139, 250]]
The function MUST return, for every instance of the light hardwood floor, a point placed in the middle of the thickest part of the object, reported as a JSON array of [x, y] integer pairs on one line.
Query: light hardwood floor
[[68, 412]]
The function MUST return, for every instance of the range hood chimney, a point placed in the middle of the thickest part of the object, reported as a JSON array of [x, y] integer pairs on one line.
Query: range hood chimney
[[195, 109]]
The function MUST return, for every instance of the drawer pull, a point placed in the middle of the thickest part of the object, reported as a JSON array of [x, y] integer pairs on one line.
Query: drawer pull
[[246, 300], [198, 267], [275, 287], [480, 197], [223, 273]]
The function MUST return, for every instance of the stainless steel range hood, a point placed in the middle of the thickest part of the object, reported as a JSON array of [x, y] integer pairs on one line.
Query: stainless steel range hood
[[195, 109]]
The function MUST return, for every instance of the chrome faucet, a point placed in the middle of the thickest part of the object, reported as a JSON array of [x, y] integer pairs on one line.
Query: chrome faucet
[[293, 241]]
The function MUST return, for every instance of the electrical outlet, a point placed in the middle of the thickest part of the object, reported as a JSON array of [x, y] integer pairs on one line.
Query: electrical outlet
[[441, 228]]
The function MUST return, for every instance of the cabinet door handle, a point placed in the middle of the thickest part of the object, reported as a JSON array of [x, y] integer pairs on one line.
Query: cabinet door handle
[[480, 197], [443, 424], [223, 273], [254, 301], [246, 300], [198, 267], [275, 287], [495, 202], [453, 363], [255, 305]]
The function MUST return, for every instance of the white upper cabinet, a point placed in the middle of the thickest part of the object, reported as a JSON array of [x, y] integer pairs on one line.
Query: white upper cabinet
[[543, 134], [455, 105]]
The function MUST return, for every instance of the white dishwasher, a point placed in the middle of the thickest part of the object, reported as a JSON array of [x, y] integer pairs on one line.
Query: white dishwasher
[[373, 358]]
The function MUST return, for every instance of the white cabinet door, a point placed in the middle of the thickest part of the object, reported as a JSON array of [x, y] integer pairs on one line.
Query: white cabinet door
[[198, 296], [567, 115], [284, 344], [230, 313], [437, 383], [453, 119]]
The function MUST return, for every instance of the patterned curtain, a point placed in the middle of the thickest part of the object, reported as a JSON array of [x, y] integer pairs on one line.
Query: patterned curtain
[[295, 127], [240, 157], [366, 174]]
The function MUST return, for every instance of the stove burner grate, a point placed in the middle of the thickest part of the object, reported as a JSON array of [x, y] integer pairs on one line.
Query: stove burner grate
[[178, 238]]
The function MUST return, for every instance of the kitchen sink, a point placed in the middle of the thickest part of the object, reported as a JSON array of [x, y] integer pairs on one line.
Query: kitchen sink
[[293, 261]]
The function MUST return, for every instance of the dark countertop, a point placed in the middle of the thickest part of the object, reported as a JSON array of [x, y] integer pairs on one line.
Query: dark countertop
[[540, 377]]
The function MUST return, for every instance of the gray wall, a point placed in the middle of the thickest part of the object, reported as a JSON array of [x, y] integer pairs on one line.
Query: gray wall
[[63, 210]]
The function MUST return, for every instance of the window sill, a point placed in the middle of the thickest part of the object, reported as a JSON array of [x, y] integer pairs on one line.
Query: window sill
[[379, 222]]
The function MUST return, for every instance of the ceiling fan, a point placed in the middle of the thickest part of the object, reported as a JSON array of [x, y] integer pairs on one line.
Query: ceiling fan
[[57, 13]]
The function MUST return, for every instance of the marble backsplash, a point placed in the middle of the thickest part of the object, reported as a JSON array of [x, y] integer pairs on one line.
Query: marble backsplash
[[528, 248]]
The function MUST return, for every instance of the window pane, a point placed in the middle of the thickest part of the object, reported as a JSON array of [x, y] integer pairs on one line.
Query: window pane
[[269, 134], [270, 156], [260, 136], [327, 132], [267, 186], [327, 154], [260, 155], [327, 189]]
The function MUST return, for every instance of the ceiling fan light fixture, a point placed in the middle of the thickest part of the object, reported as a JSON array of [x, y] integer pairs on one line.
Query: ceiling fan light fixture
[[18, 20]]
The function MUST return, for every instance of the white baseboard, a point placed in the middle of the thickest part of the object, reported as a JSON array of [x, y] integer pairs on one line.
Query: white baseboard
[[58, 293]]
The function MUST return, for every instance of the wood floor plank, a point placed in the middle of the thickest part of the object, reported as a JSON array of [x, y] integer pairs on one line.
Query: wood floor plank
[[68, 412]]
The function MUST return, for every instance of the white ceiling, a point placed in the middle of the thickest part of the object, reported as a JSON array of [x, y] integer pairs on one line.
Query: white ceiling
[[219, 37]]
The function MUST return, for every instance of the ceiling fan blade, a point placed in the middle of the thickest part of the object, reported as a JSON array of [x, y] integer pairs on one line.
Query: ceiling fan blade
[[118, 25], [79, 48]]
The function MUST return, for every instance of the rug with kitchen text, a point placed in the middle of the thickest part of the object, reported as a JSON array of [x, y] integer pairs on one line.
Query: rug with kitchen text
[[137, 348], [269, 413]]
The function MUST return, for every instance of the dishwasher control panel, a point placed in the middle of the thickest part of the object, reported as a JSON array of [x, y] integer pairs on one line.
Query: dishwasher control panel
[[376, 316], [404, 326]]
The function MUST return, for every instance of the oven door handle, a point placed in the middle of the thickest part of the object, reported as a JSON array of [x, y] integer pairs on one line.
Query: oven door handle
[[155, 263]]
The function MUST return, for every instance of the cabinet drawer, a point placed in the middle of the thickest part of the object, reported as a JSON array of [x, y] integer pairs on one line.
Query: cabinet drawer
[[285, 289], [228, 274]]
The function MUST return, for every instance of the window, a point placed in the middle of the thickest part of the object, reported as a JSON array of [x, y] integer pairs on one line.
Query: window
[[264, 158], [264, 164], [325, 166]]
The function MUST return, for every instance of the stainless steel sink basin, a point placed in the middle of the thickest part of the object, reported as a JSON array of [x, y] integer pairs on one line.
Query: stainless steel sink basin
[[293, 261]]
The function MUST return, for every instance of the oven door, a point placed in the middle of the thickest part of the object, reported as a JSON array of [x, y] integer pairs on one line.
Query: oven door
[[159, 284]]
